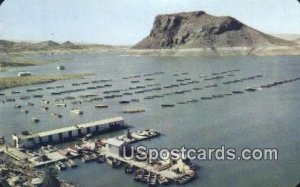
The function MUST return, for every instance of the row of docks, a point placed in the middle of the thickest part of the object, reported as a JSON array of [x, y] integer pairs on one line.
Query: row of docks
[[29, 90], [137, 93], [93, 97]]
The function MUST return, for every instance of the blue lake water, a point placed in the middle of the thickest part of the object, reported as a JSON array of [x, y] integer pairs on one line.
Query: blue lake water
[[268, 118]]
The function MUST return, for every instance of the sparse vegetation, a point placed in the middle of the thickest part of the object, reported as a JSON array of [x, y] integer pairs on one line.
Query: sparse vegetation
[[10, 82]]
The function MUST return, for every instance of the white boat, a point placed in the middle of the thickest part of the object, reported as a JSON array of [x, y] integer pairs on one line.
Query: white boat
[[60, 166], [24, 74], [45, 101], [56, 115], [35, 120], [60, 67], [101, 158], [114, 163], [89, 157], [76, 111], [71, 163], [129, 169], [61, 104]]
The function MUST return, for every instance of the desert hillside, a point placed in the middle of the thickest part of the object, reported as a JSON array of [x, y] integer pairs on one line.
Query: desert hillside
[[201, 30]]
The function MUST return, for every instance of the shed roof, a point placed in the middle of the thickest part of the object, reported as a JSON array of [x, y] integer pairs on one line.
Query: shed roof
[[71, 128], [115, 142]]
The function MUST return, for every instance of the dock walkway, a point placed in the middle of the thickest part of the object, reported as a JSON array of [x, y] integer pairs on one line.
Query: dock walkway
[[168, 173], [16, 154]]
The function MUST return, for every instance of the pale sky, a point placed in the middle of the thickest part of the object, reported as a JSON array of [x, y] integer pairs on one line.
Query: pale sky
[[126, 22]]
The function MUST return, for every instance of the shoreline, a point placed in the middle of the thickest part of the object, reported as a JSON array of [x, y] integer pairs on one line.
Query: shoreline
[[13, 59], [224, 51], [66, 51]]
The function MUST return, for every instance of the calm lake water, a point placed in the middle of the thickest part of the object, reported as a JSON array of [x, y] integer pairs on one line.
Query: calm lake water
[[263, 119]]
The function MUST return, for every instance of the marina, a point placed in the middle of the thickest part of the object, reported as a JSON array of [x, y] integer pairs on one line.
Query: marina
[[108, 150], [99, 150], [194, 100], [149, 93]]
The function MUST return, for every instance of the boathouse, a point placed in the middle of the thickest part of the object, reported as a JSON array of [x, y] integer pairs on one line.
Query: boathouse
[[66, 133]]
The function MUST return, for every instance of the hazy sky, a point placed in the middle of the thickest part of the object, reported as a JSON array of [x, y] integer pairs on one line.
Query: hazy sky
[[128, 21]]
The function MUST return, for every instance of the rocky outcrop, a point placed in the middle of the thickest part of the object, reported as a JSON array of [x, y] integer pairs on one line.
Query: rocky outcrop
[[201, 30]]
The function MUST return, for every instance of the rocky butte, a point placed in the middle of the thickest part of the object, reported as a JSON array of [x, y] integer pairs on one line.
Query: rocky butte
[[190, 30]]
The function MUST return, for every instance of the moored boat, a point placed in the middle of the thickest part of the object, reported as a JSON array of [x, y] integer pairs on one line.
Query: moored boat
[[101, 158], [60, 166], [101, 106], [162, 180], [124, 102], [250, 89], [35, 120], [129, 169], [206, 98], [76, 111], [18, 106], [237, 92], [89, 157], [192, 100], [60, 104], [24, 111], [167, 105], [56, 115], [60, 67], [71, 163], [114, 163]]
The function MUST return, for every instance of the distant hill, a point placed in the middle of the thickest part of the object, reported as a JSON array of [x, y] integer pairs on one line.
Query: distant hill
[[289, 37], [10, 46], [46, 44], [69, 45], [201, 30]]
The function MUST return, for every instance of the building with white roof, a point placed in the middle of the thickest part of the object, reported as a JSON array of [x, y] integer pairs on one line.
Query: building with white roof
[[66, 133], [115, 146]]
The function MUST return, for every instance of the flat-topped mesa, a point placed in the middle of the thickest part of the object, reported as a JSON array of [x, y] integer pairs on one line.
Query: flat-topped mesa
[[201, 30]]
